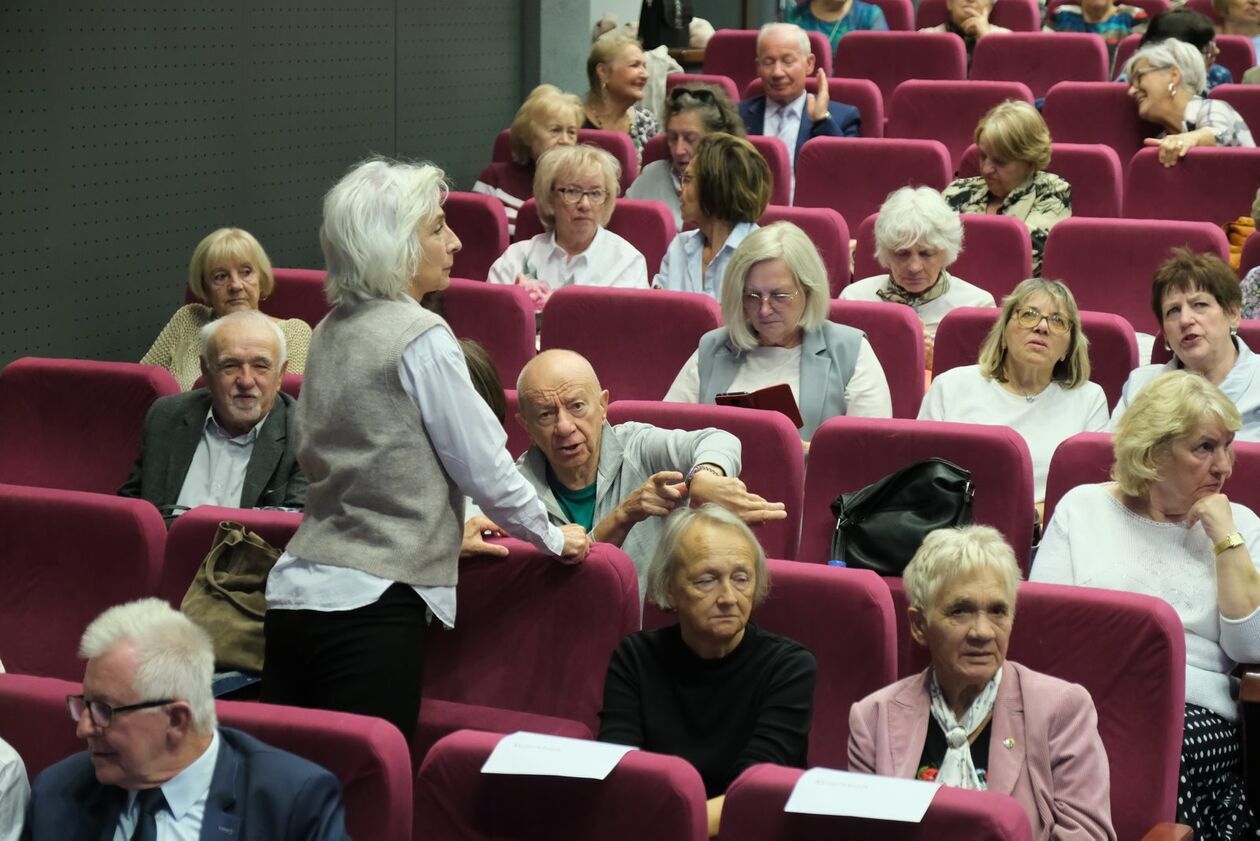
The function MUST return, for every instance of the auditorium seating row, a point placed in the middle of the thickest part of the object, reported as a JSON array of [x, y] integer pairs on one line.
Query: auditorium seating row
[[564, 622], [1038, 59]]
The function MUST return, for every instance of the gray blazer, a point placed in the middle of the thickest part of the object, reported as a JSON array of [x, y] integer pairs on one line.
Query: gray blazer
[[828, 356], [172, 430]]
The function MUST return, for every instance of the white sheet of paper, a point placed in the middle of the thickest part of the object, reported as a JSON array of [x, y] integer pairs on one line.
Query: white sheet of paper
[[535, 754], [822, 791]]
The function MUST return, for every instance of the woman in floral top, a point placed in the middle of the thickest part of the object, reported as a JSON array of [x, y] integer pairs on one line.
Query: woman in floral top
[[617, 72], [1014, 146]]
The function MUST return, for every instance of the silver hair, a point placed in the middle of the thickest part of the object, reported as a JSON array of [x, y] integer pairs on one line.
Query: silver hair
[[370, 234], [206, 334], [174, 656], [665, 561], [802, 37], [1173, 53], [914, 216], [949, 553], [780, 241]]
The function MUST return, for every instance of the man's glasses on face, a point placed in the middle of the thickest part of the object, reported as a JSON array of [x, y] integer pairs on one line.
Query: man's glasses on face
[[101, 713]]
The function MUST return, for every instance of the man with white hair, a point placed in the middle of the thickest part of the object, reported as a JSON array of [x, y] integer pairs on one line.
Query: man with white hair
[[230, 443], [158, 766], [786, 111]]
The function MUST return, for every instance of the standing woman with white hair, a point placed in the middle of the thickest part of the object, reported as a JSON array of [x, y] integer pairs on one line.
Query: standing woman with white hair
[[1167, 81], [392, 436], [918, 236]]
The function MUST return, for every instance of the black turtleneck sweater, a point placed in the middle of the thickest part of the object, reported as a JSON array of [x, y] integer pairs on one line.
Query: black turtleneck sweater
[[721, 715]]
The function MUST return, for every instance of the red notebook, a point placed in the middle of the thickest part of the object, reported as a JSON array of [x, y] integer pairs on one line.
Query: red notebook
[[777, 398]]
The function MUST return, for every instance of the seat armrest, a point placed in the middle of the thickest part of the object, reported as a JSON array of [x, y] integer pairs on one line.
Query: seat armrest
[[1169, 832]]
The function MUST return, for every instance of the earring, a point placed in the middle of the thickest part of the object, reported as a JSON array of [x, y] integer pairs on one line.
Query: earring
[[1233, 332], [1167, 346], [1172, 89]]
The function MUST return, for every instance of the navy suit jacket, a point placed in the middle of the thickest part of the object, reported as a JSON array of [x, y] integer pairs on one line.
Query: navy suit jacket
[[257, 792], [842, 121], [172, 431]]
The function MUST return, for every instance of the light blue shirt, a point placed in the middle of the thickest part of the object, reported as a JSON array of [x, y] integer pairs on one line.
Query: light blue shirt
[[216, 473], [682, 268], [185, 794]]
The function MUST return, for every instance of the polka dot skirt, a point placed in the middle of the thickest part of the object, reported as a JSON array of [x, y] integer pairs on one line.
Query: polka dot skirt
[[1211, 795]]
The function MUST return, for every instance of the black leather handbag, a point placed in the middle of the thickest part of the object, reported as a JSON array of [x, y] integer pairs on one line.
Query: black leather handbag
[[881, 526]]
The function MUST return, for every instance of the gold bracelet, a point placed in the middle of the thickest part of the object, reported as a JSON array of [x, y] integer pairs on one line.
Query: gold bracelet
[[1228, 542]]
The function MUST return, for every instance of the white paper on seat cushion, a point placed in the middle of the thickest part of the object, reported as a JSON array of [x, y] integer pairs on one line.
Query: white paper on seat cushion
[[539, 755], [822, 791]]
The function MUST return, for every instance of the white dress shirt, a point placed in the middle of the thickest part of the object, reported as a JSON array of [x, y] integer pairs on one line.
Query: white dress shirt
[[185, 794], [683, 270], [216, 473], [15, 792], [608, 261], [472, 446]]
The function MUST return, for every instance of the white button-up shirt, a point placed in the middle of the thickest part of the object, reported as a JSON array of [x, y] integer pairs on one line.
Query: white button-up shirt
[[185, 794], [608, 261], [683, 270]]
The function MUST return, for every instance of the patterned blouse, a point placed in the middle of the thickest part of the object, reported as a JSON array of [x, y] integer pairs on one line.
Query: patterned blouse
[[1251, 294], [861, 16], [1040, 203], [643, 127], [1219, 116], [1126, 21]]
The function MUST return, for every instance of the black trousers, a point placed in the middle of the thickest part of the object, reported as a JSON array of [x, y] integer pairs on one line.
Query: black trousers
[[368, 661]]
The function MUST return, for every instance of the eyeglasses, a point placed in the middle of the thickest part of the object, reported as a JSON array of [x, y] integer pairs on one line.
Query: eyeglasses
[[1136, 77], [101, 713], [778, 300], [698, 94], [573, 195], [1031, 317]]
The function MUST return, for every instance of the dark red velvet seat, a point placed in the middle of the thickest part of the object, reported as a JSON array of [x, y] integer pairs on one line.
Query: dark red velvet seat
[[500, 318], [896, 335], [481, 224], [948, 111]]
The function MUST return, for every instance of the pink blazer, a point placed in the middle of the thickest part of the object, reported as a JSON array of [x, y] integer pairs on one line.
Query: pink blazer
[[1055, 765]]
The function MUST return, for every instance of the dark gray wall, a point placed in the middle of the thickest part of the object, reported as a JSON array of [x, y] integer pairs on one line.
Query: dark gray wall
[[132, 129]]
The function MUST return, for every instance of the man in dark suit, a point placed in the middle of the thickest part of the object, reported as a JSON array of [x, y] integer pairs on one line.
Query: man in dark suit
[[784, 62], [157, 764], [230, 443]]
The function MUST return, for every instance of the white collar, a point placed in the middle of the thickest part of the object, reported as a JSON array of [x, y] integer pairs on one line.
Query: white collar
[[793, 107], [183, 790]]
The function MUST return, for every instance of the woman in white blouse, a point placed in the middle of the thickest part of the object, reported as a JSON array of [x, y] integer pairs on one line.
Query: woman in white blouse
[[1033, 376], [774, 302], [918, 236], [576, 191], [1165, 528], [725, 189]]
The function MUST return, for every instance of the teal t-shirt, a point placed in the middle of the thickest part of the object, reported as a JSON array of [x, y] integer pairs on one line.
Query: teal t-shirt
[[578, 506]]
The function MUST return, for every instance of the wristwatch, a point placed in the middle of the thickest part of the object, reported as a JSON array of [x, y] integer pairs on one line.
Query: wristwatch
[[1228, 542]]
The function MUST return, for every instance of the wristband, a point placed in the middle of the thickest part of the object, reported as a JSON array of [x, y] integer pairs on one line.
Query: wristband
[[1228, 542], [707, 468]]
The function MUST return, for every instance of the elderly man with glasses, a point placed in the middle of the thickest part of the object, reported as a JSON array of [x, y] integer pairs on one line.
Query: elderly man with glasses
[[157, 764]]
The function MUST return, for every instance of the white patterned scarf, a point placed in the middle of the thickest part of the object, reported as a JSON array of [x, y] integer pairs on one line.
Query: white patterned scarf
[[957, 769]]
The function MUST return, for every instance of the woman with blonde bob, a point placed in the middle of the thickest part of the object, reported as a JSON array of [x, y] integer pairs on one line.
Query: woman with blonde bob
[[1167, 82], [774, 302], [663, 686], [576, 191], [954, 722], [229, 271], [618, 75], [1014, 146], [1165, 528], [725, 189], [1032, 375], [549, 117], [918, 236]]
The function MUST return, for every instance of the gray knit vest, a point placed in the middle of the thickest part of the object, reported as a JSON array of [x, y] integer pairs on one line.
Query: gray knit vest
[[379, 499]]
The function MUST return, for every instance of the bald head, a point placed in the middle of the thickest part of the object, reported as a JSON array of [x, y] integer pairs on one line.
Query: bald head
[[563, 409], [550, 364]]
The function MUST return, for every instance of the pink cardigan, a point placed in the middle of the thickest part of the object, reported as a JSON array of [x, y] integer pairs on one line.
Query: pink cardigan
[[1055, 767]]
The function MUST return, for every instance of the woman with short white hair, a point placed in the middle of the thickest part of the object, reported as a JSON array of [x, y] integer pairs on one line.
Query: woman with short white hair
[[1167, 81], [1165, 528], [575, 188], [392, 436], [955, 722], [774, 302], [918, 236]]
